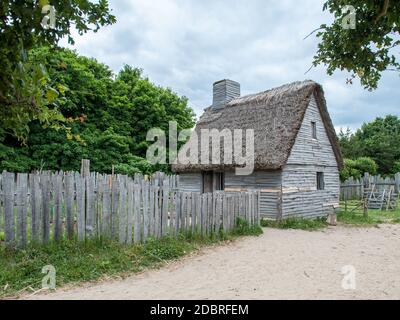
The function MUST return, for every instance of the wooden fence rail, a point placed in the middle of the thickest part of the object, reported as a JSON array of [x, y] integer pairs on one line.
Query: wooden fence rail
[[44, 207], [353, 189]]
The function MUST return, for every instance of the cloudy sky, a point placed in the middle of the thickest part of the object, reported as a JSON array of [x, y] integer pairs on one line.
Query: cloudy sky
[[189, 44]]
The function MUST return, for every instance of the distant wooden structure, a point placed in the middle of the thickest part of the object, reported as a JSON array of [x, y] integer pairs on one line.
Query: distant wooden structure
[[297, 155], [377, 192]]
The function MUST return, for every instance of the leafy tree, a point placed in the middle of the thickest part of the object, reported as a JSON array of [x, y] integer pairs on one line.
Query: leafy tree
[[346, 143], [368, 49], [25, 93], [396, 167], [378, 140], [107, 118]]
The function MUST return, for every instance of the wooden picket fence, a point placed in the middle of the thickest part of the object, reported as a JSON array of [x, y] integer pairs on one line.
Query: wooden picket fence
[[45, 207], [354, 188]]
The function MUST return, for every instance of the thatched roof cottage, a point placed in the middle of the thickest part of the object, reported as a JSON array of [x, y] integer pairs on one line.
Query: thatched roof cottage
[[296, 153]]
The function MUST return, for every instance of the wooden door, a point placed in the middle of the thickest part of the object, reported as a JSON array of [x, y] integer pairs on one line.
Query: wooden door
[[207, 182]]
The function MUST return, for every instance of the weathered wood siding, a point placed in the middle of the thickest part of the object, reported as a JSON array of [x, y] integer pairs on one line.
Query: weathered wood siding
[[267, 181], [190, 182], [299, 177], [257, 180]]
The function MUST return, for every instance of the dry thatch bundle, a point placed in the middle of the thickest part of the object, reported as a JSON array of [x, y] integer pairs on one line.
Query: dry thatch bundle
[[275, 116]]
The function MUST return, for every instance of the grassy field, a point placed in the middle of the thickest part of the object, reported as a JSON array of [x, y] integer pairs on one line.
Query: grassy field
[[20, 269], [354, 215]]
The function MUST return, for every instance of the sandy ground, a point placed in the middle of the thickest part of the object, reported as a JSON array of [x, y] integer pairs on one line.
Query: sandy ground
[[280, 264]]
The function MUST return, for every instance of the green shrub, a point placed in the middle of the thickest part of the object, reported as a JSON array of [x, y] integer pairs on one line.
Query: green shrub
[[243, 228], [356, 168], [366, 164], [396, 166]]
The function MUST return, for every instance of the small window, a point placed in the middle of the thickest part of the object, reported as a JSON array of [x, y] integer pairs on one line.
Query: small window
[[314, 130], [320, 181], [219, 181]]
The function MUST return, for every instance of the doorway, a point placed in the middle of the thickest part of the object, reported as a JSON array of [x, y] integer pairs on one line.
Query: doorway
[[213, 181]]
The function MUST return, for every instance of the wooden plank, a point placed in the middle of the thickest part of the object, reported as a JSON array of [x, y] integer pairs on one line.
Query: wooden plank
[[22, 206], [80, 206], [45, 187], [235, 210], [224, 213], [90, 205], [106, 209], [218, 211], [99, 185], [258, 207], [209, 212], [36, 197], [147, 208], [198, 213], [85, 167], [279, 216], [172, 213], [98, 189], [151, 211], [137, 218], [157, 218], [178, 212], [229, 213], [130, 212], [69, 204], [183, 212], [57, 220], [213, 213], [165, 206], [8, 181], [204, 207], [193, 212], [122, 211], [114, 207]]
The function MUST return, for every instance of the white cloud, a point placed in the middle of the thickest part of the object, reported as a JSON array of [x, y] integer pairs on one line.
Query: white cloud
[[188, 44]]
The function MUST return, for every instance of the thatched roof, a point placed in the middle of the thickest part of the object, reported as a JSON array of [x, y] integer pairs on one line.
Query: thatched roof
[[275, 115]]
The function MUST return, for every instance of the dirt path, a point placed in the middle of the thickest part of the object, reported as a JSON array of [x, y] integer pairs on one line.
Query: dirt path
[[280, 264]]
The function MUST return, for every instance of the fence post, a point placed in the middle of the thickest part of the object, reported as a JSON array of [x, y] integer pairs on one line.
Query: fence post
[[397, 181], [57, 219], [85, 167], [8, 189], [45, 186], [365, 207]]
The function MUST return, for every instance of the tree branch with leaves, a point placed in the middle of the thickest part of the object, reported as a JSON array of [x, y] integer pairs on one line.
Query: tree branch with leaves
[[25, 93], [367, 50]]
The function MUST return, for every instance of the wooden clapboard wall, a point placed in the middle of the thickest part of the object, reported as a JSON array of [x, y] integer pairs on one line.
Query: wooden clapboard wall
[[44, 207], [300, 197]]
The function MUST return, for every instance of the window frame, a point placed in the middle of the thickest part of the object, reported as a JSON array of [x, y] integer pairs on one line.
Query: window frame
[[320, 179], [219, 181], [314, 130]]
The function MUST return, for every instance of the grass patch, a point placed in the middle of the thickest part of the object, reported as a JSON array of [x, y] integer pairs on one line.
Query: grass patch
[[20, 269], [354, 215], [296, 223]]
